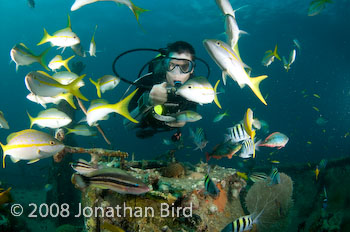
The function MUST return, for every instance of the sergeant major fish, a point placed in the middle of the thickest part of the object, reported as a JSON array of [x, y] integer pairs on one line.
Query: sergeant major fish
[[248, 127], [244, 223], [237, 133], [248, 148]]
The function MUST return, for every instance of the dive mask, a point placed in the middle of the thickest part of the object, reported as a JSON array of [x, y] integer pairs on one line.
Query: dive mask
[[185, 65]]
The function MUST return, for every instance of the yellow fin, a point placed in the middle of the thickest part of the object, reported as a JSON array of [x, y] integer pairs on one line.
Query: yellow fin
[[31, 119], [45, 39], [69, 98], [33, 161], [276, 54], [73, 88], [14, 160], [137, 11], [122, 107], [69, 24], [93, 36], [255, 81], [97, 85], [65, 62], [216, 100], [41, 59], [4, 154]]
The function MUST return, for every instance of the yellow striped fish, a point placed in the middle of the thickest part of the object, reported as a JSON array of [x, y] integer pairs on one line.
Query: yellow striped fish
[[30, 145]]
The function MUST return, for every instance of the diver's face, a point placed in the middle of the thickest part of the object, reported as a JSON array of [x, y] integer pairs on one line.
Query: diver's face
[[179, 67]]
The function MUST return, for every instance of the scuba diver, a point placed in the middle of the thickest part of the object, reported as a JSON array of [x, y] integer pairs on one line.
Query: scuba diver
[[156, 100]]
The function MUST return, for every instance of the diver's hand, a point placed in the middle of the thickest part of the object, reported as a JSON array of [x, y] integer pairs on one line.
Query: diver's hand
[[158, 94]]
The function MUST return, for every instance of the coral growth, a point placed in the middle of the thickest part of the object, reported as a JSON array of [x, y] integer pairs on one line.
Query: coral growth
[[174, 170], [273, 201]]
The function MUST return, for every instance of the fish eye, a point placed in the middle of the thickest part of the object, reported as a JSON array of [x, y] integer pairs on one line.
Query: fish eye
[[190, 86], [52, 142], [218, 43]]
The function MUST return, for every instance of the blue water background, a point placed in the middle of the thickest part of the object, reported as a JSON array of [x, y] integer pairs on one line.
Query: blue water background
[[321, 67]]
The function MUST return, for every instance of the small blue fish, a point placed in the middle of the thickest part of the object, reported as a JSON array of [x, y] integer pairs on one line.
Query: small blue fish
[[275, 177], [210, 186], [219, 117]]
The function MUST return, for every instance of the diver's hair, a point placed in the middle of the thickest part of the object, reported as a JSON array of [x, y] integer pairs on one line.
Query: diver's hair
[[181, 47]]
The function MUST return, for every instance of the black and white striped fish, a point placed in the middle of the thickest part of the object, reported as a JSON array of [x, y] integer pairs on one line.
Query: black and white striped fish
[[241, 224], [237, 133], [248, 148]]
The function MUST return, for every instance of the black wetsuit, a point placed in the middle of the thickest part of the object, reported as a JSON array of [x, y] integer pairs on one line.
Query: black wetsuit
[[149, 125]]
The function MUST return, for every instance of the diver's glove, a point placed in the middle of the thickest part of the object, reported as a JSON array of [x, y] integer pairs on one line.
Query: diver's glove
[[158, 94]]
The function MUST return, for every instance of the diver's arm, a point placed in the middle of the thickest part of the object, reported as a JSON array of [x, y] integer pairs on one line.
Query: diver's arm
[[139, 113]]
